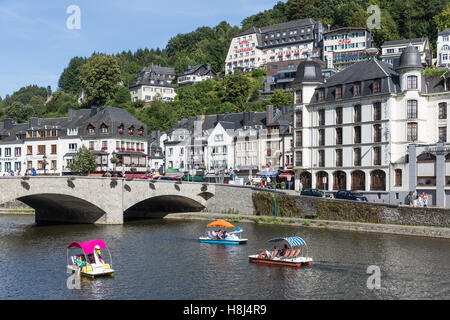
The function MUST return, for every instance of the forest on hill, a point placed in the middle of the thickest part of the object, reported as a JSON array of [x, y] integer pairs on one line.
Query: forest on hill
[[399, 19]]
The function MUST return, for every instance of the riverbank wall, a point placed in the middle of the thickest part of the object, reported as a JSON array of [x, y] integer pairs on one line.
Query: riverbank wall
[[258, 202]]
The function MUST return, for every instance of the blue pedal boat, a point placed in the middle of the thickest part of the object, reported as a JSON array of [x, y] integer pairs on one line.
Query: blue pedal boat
[[222, 236]]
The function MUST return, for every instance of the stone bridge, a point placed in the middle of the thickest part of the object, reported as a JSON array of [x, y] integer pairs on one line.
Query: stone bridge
[[103, 200]]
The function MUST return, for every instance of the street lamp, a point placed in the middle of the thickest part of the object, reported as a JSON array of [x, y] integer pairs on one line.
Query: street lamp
[[45, 162]]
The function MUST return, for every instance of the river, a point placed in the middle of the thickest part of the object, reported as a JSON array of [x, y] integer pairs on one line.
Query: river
[[163, 259]]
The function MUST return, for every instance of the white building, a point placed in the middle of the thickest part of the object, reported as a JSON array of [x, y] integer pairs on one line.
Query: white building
[[353, 132], [256, 47], [443, 49], [392, 50], [154, 82], [196, 74], [344, 46]]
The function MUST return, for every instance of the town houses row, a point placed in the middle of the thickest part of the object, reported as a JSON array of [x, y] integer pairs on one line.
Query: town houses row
[[48, 145]]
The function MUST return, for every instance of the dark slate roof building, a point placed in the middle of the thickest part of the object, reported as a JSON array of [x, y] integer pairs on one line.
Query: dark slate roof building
[[195, 74]]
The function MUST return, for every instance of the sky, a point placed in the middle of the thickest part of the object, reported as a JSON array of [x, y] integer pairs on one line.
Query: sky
[[38, 38]]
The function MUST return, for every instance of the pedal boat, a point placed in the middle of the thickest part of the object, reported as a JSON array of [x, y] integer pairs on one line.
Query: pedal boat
[[93, 265], [290, 255], [233, 237]]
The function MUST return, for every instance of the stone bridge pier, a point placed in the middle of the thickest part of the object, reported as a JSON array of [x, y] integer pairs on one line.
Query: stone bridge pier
[[102, 200]]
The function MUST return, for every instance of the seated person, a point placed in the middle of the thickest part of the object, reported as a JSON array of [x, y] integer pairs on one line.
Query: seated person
[[225, 235], [91, 258]]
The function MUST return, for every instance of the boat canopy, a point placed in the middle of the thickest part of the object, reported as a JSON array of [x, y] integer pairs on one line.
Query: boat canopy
[[88, 246], [221, 224], [293, 241]]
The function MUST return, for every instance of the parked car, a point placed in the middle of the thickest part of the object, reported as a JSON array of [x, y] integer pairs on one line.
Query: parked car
[[349, 195], [313, 193]]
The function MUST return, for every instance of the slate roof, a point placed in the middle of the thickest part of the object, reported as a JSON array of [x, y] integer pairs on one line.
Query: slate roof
[[279, 26], [364, 72], [403, 42], [198, 70]]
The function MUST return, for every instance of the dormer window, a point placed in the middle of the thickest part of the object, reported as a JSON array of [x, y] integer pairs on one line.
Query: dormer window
[[338, 92], [357, 89], [321, 94], [377, 86], [91, 129], [104, 128], [141, 131], [121, 129], [131, 130], [412, 82]]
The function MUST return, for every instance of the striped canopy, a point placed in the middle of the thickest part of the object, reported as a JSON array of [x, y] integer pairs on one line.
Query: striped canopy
[[293, 241]]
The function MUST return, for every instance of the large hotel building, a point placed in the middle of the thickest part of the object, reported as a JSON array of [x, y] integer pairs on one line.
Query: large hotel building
[[374, 129], [256, 47]]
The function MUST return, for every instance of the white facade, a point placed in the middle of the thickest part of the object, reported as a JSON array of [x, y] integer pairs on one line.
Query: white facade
[[149, 93], [345, 46], [11, 159], [443, 49], [243, 53], [220, 154], [392, 50]]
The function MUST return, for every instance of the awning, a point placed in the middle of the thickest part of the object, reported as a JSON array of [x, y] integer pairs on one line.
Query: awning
[[88, 246], [293, 241]]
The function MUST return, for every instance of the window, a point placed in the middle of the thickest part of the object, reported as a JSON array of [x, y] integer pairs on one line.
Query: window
[[377, 86], [321, 158], [377, 156], [377, 111], [298, 119], [338, 92], [357, 113], [41, 149], [91, 145], [321, 117], [298, 97], [412, 82], [104, 128], [377, 133], [398, 177], [442, 134], [443, 110], [338, 157], [357, 156], [53, 149], [41, 165], [72, 131], [91, 129], [412, 109], [298, 139], [53, 165], [8, 153], [321, 137], [17, 152], [338, 115], [357, 89], [72, 147], [218, 137], [321, 94], [298, 159], [357, 134], [29, 150], [412, 131], [30, 165], [338, 135]]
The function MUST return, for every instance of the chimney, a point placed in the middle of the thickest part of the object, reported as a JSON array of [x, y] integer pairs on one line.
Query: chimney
[[269, 114], [72, 113], [8, 123]]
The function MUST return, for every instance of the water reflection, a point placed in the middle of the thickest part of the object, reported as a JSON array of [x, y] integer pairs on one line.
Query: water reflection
[[163, 259]]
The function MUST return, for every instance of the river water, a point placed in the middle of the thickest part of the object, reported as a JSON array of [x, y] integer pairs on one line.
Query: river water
[[163, 259]]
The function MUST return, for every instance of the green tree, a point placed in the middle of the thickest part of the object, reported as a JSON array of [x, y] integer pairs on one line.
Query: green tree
[[84, 162], [61, 102], [69, 81], [280, 98], [19, 112], [442, 20], [38, 104], [122, 97], [100, 78]]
